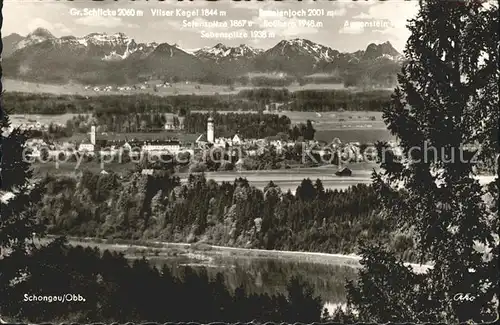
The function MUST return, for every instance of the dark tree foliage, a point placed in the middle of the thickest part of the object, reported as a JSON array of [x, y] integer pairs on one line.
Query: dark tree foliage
[[447, 97], [305, 305], [19, 225], [117, 290], [394, 283], [266, 95], [245, 100], [247, 125]]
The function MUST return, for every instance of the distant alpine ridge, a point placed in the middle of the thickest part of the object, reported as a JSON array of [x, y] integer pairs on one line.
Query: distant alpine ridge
[[101, 58], [221, 52]]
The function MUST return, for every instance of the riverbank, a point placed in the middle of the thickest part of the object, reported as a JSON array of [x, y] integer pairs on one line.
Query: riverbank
[[206, 253]]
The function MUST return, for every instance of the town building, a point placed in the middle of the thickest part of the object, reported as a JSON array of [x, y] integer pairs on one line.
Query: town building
[[86, 147], [202, 139], [237, 140], [147, 171], [170, 146], [89, 147], [92, 135], [221, 143], [210, 130], [209, 136]]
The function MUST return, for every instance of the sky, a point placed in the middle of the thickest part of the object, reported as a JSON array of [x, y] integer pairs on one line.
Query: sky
[[345, 24]]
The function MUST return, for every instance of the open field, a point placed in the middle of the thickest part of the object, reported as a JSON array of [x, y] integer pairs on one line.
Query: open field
[[180, 88], [333, 119], [336, 119], [17, 119], [348, 126], [327, 86], [77, 89], [286, 179], [354, 135], [72, 169], [290, 179]]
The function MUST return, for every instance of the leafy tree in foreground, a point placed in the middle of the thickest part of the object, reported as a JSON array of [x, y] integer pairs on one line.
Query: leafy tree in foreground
[[305, 306], [18, 222], [447, 97]]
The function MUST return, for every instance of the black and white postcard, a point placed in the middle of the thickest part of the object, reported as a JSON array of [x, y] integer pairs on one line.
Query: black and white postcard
[[250, 161]]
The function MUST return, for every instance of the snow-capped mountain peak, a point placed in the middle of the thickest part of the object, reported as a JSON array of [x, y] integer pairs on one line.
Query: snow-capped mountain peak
[[383, 50], [31, 56], [221, 51], [108, 47], [41, 33], [114, 56], [304, 47], [37, 36], [189, 51], [103, 39]]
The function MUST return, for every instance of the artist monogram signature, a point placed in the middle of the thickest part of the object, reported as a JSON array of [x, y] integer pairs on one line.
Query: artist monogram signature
[[463, 297]]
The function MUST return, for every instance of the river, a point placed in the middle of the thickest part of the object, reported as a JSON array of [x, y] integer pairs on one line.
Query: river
[[269, 275], [256, 270]]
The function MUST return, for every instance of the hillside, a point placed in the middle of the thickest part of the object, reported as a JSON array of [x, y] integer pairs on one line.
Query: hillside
[[101, 58]]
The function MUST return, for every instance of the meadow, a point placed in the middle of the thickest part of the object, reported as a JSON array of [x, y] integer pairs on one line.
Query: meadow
[[72, 169], [17, 119], [348, 126], [338, 120], [354, 135], [78, 89], [180, 88]]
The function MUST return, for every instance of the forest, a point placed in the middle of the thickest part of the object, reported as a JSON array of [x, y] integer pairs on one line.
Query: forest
[[144, 207], [247, 125], [245, 100]]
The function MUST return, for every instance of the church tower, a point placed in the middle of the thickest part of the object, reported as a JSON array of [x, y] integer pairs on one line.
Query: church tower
[[92, 134], [210, 130]]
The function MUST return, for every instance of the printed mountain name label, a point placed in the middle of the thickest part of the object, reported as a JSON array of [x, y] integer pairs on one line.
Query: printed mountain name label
[[187, 13]]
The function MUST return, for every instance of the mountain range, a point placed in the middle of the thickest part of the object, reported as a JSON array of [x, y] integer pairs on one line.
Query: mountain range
[[100, 58]]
